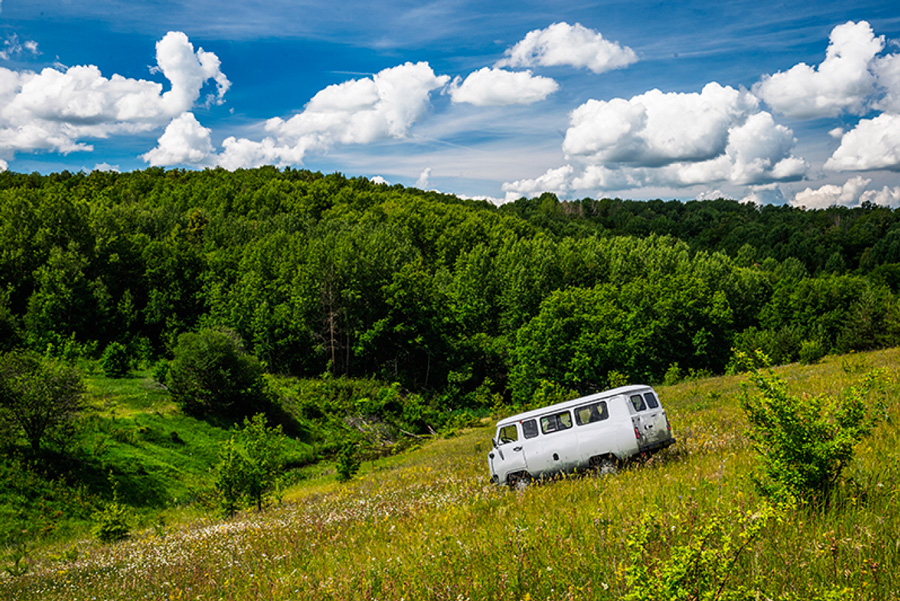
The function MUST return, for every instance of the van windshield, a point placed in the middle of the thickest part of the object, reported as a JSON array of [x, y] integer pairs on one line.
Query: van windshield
[[508, 434]]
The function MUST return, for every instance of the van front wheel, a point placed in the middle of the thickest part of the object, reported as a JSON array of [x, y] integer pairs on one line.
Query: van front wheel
[[519, 481]]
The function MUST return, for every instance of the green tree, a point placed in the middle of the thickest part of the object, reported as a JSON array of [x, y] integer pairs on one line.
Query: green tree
[[212, 375], [250, 465], [38, 398], [116, 360]]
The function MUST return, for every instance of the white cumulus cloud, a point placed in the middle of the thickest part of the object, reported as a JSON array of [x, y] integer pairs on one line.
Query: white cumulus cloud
[[57, 109], [359, 111], [423, 182], [843, 82], [767, 194], [831, 194], [185, 142], [853, 192], [554, 180], [499, 87], [657, 128], [887, 70], [13, 47], [564, 44], [887, 196], [671, 139], [872, 144]]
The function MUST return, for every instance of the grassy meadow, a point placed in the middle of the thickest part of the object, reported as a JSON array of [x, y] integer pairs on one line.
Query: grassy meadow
[[428, 524]]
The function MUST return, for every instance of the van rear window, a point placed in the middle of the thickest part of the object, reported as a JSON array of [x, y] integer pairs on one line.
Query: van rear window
[[591, 413], [556, 422], [651, 400], [529, 428], [638, 402]]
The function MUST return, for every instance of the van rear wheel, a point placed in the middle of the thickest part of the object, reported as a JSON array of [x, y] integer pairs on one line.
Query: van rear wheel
[[605, 465]]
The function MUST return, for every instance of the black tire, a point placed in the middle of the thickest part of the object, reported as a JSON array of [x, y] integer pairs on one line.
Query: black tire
[[605, 465], [519, 481]]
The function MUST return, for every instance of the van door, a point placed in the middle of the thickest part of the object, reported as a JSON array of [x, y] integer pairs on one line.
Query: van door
[[508, 457], [558, 450], [649, 419]]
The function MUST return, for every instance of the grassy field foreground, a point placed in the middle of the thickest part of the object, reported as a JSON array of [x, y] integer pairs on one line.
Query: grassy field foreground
[[429, 525]]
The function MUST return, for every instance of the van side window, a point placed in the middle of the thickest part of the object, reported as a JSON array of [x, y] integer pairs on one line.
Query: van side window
[[556, 422], [651, 400], [529, 428], [508, 434], [591, 413], [638, 402]]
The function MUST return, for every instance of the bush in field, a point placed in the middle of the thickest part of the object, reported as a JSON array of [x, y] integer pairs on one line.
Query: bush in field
[[701, 568], [250, 465], [812, 351], [115, 361], [348, 461], [38, 398], [112, 523], [211, 375], [803, 442]]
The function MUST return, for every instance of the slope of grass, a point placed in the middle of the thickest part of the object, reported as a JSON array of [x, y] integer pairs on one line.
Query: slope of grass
[[429, 525], [131, 435]]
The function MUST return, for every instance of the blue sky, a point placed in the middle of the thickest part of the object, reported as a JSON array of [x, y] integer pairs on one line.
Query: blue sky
[[754, 100]]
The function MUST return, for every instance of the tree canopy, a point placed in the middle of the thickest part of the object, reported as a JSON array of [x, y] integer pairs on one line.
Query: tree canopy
[[328, 274]]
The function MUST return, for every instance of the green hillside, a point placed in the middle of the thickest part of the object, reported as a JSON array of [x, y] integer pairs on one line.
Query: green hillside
[[428, 525]]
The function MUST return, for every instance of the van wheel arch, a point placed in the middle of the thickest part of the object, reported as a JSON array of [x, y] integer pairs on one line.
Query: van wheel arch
[[518, 481], [605, 465]]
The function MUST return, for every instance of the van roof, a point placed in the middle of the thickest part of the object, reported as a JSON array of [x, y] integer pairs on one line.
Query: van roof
[[573, 403]]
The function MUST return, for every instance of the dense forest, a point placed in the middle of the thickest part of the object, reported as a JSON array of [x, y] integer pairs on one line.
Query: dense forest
[[324, 274]]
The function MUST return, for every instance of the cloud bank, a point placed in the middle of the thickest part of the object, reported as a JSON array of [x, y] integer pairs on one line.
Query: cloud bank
[[724, 135], [56, 110], [359, 111], [671, 139]]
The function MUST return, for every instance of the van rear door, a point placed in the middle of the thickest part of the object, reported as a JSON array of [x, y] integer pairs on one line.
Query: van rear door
[[649, 420]]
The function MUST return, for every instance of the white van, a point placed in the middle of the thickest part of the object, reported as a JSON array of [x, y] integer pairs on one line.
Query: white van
[[593, 432]]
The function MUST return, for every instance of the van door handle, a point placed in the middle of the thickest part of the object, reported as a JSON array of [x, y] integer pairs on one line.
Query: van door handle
[[517, 448]]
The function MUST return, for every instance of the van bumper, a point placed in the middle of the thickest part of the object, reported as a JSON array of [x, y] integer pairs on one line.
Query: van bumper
[[656, 446]]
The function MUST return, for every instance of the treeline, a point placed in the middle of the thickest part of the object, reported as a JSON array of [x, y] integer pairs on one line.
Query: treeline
[[327, 274], [833, 240]]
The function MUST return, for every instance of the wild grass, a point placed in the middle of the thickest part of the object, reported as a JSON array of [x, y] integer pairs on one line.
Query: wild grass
[[429, 525]]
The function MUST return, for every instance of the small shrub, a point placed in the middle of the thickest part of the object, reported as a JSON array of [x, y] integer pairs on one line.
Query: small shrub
[[804, 442], [700, 569], [18, 558], [111, 523], [250, 465], [673, 375], [160, 371], [116, 360], [348, 462], [812, 351]]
